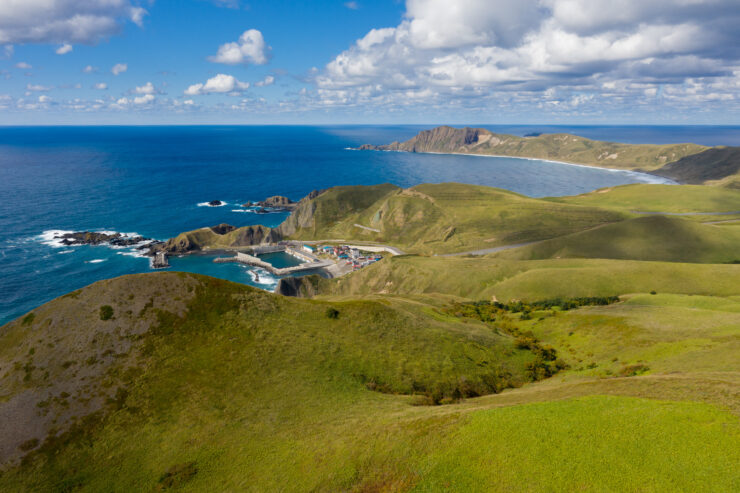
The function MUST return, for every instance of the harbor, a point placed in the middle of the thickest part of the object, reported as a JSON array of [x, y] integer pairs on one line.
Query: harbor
[[290, 258], [306, 260]]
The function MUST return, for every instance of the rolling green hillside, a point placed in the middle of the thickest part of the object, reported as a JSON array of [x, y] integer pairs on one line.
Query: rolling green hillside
[[659, 198], [664, 238], [175, 381], [442, 218], [712, 164], [484, 277], [451, 217], [145, 356]]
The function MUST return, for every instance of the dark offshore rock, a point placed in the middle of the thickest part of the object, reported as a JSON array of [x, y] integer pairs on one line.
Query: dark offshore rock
[[215, 203], [92, 238]]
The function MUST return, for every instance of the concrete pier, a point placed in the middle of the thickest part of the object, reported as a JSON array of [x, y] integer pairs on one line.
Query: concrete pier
[[160, 260], [247, 259]]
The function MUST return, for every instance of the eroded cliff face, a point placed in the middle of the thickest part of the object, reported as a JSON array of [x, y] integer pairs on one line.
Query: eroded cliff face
[[301, 217], [221, 236], [440, 139], [299, 287]]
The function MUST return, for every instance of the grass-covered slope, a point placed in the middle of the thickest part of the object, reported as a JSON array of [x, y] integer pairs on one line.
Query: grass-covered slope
[[712, 164], [659, 198], [175, 367], [661, 238], [222, 236], [485, 277], [442, 218], [206, 385], [562, 147]]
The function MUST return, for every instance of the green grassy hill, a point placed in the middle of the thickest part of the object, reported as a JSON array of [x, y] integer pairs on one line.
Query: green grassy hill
[[664, 238], [659, 198], [192, 383], [452, 217], [171, 367], [712, 164], [441, 218], [221, 236], [484, 277]]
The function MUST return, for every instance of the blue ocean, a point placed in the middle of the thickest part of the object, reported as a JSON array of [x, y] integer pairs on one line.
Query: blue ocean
[[156, 181]]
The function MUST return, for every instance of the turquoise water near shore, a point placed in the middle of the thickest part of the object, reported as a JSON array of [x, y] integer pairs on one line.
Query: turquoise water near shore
[[280, 260], [156, 182]]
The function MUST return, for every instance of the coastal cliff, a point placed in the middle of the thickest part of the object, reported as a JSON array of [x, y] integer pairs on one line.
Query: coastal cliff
[[221, 236], [685, 162]]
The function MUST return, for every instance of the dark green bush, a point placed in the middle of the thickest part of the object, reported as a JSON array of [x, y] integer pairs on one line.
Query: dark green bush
[[633, 370], [332, 312], [106, 312]]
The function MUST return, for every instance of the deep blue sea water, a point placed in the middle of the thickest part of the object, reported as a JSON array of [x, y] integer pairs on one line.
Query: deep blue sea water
[[151, 180]]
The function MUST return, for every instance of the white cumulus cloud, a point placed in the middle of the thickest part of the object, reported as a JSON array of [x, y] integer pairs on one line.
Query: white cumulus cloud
[[64, 21], [101, 86], [89, 69], [147, 88], [119, 68], [23, 65], [250, 47], [267, 81], [503, 52], [64, 49], [145, 99], [220, 84]]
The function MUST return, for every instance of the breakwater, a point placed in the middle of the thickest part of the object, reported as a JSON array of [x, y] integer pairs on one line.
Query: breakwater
[[244, 258]]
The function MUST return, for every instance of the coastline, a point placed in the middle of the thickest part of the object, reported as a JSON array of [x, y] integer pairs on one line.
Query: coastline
[[655, 179]]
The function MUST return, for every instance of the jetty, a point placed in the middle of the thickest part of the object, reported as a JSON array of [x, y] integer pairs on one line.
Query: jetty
[[309, 261], [160, 260]]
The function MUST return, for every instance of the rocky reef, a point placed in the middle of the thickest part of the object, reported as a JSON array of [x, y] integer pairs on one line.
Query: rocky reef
[[97, 238]]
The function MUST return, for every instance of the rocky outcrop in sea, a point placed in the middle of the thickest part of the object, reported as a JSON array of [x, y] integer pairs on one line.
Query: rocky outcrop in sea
[[96, 238]]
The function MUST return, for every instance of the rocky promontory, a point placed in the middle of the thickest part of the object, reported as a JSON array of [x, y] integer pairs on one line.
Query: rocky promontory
[[224, 236]]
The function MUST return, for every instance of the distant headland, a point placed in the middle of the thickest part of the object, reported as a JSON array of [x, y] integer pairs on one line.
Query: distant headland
[[685, 163]]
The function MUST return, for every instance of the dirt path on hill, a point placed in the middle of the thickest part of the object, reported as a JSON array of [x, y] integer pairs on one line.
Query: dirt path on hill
[[486, 251], [726, 213]]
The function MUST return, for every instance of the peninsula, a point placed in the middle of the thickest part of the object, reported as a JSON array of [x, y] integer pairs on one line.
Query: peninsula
[[685, 163]]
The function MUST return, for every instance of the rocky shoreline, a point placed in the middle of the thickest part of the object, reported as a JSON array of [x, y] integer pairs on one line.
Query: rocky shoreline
[[113, 239]]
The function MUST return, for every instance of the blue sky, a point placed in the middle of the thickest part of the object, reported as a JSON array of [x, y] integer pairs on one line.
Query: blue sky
[[419, 61]]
